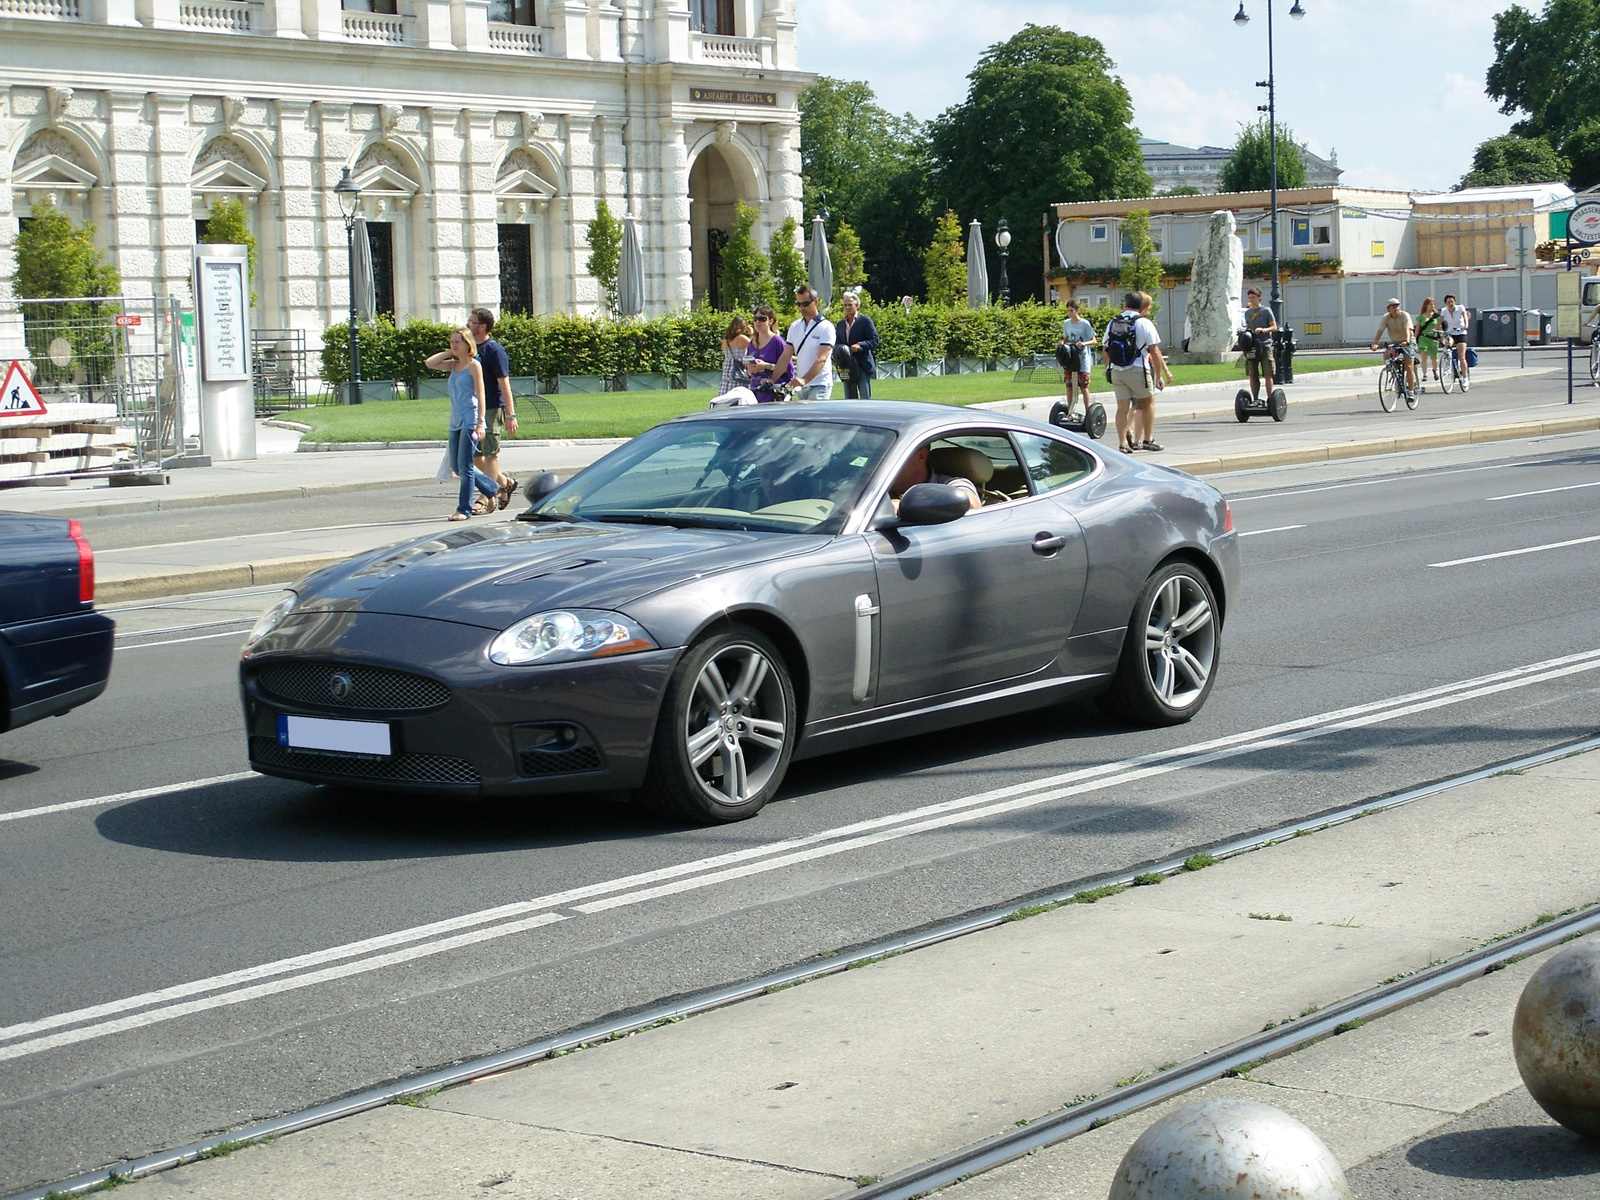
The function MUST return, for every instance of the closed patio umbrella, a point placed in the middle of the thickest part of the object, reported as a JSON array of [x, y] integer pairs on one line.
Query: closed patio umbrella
[[630, 271], [977, 267], [819, 264], [366, 286]]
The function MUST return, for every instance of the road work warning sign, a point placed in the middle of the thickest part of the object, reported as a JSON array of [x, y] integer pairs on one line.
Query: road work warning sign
[[17, 395]]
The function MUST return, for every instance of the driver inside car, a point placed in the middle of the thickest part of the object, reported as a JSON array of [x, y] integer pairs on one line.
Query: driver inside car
[[951, 465]]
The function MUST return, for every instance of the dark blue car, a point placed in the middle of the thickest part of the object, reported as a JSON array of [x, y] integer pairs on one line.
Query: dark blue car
[[55, 649]]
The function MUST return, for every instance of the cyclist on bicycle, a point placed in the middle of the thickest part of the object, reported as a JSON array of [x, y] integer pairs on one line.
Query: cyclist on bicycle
[[1259, 324], [1455, 328], [1400, 332]]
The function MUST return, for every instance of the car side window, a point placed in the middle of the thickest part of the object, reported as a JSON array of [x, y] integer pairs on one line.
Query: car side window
[[1002, 479], [1052, 464]]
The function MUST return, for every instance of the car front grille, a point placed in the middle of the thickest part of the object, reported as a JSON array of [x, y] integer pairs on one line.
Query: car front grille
[[559, 762], [402, 768], [371, 688]]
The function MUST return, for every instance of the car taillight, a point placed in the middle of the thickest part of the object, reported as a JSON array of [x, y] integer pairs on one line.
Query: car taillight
[[85, 562], [1227, 517]]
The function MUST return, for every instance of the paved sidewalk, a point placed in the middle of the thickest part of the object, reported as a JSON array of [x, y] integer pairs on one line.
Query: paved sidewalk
[[808, 1091]]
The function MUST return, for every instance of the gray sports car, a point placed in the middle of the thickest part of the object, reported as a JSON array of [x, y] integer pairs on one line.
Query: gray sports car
[[732, 590]]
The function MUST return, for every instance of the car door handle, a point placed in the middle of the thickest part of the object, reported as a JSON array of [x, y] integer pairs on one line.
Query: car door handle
[[1047, 543]]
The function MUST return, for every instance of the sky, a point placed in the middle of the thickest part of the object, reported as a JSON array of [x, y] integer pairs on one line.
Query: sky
[[1394, 86]]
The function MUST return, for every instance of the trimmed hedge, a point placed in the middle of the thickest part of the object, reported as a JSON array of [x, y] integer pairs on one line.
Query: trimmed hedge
[[552, 344]]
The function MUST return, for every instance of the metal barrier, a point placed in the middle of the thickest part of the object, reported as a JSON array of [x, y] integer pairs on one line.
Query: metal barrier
[[130, 353], [278, 370]]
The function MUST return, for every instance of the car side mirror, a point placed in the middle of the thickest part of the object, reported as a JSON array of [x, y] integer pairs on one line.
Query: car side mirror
[[933, 504]]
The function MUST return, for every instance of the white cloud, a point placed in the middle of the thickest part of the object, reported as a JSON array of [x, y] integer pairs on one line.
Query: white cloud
[[1395, 88]]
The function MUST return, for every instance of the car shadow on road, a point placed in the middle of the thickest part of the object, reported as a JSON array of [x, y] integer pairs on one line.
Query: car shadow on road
[[11, 769], [1508, 1153]]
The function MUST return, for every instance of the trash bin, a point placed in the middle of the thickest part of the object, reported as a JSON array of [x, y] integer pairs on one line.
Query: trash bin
[[1283, 350], [1537, 323], [1498, 327]]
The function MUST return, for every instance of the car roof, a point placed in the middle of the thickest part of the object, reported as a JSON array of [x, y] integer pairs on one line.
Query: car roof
[[905, 416]]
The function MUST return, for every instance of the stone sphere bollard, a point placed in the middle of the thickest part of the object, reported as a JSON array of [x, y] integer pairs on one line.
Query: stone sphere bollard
[[1229, 1150], [1556, 1038]]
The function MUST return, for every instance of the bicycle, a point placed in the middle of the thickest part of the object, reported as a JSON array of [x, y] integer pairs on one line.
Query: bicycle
[[1392, 381], [1451, 374], [1594, 358]]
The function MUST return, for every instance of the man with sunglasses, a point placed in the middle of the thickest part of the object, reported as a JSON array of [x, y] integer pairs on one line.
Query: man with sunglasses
[[810, 344]]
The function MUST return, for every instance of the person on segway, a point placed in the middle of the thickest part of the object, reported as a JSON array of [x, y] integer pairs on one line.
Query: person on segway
[[1077, 335], [1259, 326]]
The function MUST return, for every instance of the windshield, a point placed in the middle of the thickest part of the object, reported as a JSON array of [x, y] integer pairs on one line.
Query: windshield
[[779, 475]]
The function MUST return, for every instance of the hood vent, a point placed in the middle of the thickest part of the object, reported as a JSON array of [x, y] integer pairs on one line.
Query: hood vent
[[544, 571]]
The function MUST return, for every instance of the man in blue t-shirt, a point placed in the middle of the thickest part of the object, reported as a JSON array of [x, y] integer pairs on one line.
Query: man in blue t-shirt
[[501, 416]]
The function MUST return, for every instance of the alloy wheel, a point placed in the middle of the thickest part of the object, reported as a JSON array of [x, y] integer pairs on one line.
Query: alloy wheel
[[736, 726], [1180, 642]]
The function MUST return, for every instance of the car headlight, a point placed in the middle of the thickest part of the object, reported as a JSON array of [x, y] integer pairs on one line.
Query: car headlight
[[272, 618], [565, 635]]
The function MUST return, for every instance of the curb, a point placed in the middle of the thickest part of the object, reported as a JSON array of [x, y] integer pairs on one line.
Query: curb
[[212, 579], [533, 443], [172, 503], [1380, 446]]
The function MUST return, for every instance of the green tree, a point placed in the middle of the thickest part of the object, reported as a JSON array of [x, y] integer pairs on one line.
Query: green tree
[[605, 252], [1511, 159], [746, 273], [1249, 165], [228, 225], [1141, 268], [1548, 67], [1582, 149], [57, 258], [944, 265], [849, 267], [1045, 121], [1183, 189], [788, 264], [868, 168]]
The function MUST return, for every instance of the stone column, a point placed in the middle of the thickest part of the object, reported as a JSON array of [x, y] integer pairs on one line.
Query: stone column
[[299, 201], [336, 142], [282, 18], [322, 19], [568, 27], [436, 22], [470, 21], [777, 23], [672, 263], [783, 174], [481, 270], [158, 14], [571, 215], [173, 231], [129, 194], [669, 34], [113, 12]]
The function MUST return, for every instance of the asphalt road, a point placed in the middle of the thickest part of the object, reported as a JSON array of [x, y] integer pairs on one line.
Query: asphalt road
[[193, 959]]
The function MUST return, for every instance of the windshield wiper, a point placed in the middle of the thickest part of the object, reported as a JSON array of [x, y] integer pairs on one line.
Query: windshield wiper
[[550, 516], [677, 521]]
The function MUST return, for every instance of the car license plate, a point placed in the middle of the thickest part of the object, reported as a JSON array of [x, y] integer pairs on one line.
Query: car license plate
[[341, 737]]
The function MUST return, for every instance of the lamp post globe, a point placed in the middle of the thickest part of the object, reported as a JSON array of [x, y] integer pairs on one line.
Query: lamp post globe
[[348, 193], [1002, 238], [1241, 17]]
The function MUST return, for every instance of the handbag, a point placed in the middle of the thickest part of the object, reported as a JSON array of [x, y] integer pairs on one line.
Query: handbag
[[1472, 357]]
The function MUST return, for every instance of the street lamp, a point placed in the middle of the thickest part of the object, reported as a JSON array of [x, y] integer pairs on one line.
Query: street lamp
[[1002, 238], [349, 194], [1241, 19]]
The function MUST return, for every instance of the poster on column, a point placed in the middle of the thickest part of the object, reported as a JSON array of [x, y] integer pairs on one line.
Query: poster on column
[[189, 366], [224, 344]]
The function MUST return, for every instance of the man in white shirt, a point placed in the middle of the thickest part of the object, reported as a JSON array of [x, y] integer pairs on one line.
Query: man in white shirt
[[810, 343], [1132, 352]]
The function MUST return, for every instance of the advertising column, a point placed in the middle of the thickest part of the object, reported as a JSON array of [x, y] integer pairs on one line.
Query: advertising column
[[227, 397]]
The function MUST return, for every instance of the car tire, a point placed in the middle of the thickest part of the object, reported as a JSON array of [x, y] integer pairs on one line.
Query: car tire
[[729, 692], [1170, 654]]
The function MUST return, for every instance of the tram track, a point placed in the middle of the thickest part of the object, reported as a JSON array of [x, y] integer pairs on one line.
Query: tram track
[[992, 1152]]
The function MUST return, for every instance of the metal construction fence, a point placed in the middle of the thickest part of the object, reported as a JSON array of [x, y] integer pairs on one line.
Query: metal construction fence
[[116, 376], [279, 370]]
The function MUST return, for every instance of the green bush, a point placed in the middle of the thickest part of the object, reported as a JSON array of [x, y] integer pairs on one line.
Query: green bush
[[550, 344]]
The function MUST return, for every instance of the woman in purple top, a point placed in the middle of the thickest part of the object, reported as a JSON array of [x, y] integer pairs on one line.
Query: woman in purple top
[[766, 347]]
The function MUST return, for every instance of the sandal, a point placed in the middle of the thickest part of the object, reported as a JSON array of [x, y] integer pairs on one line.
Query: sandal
[[1149, 445], [483, 507], [1127, 447], [507, 490], [458, 516]]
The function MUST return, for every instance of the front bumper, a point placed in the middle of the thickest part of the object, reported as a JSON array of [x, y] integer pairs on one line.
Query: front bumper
[[458, 723]]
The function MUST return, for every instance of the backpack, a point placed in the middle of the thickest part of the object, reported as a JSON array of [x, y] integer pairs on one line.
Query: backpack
[[1122, 342]]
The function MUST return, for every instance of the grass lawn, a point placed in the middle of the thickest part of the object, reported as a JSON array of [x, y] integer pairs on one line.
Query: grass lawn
[[624, 414]]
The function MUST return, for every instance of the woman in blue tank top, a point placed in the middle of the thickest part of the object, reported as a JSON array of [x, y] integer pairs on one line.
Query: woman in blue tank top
[[466, 418]]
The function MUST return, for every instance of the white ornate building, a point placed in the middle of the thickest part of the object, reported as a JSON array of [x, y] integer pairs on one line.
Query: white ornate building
[[481, 132]]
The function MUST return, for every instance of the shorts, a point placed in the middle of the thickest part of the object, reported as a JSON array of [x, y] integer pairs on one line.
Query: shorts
[[1456, 339], [1082, 377], [489, 445], [1130, 383]]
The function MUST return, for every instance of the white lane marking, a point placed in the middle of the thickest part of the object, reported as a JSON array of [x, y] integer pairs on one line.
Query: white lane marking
[[1477, 558], [1408, 477], [342, 971], [206, 598], [1571, 487], [204, 637], [136, 633], [735, 864], [236, 537], [1275, 529], [120, 797]]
